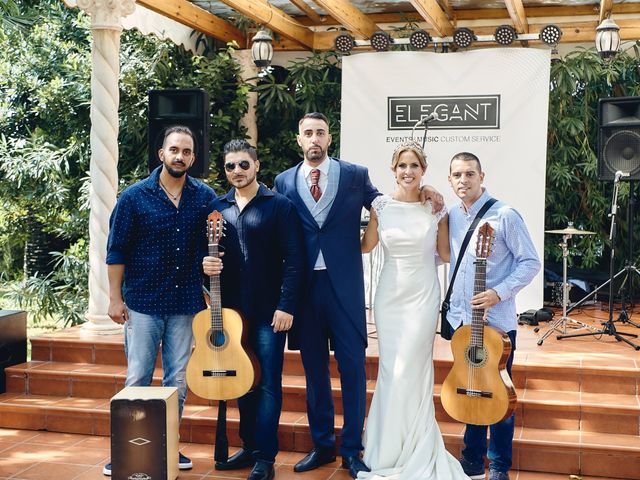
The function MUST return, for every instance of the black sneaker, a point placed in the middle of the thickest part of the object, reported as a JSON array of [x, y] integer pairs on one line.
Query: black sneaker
[[496, 475], [474, 471], [106, 470], [184, 463]]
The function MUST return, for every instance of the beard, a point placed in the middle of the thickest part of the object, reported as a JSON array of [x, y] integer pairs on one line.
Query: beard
[[317, 154], [175, 173], [242, 182]]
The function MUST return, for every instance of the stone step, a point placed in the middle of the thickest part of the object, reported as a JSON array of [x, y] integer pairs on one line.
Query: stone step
[[536, 449], [537, 408]]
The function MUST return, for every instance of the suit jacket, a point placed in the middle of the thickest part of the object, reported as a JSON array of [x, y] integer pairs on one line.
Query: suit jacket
[[339, 236]]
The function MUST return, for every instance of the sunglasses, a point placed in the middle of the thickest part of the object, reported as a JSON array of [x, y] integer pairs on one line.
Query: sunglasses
[[231, 166]]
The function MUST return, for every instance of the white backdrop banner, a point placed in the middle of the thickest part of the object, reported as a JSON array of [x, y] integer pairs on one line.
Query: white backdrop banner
[[491, 102]]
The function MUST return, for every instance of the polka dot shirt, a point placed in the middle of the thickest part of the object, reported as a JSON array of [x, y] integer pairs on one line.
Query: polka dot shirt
[[161, 246]]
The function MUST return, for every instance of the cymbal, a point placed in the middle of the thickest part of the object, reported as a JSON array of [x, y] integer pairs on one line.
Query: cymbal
[[570, 231]]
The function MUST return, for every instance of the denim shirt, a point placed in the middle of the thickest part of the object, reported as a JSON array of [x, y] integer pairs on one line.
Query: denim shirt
[[512, 264], [161, 246]]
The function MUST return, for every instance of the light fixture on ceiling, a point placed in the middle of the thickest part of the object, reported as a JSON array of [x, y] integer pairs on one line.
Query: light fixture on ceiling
[[550, 34], [463, 37], [380, 41], [607, 38], [419, 39], [505, 35], [262, 48], [344, 43]]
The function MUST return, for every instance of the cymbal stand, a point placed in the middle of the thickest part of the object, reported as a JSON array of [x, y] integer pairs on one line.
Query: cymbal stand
[[629, 270], [608, 327], [560, 325]]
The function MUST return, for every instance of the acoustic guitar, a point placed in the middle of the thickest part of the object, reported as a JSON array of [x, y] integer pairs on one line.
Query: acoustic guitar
[[221, 366], [478, 390]]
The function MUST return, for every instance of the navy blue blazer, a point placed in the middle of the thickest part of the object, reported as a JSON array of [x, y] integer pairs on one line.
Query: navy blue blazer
[[339, 237]]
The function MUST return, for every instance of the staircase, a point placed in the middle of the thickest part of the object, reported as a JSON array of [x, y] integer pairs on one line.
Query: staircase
[[570, 419]]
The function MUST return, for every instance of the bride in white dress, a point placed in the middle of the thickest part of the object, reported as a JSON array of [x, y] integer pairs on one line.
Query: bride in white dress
[[402, 439]]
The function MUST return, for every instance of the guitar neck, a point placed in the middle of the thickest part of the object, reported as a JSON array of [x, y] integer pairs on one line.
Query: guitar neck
[[214, 293], [479, 286]]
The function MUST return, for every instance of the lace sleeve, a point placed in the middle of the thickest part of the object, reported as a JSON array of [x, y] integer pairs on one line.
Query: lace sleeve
[[379, 203], [439, 214]]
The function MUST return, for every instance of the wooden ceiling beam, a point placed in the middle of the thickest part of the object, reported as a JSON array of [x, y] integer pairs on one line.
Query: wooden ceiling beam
[[500, 15], [199, 19], [605, 9], [572, 32], [272, 17], [518, 15], [446, 7], [308, 11], [434, 15], [350, 16]]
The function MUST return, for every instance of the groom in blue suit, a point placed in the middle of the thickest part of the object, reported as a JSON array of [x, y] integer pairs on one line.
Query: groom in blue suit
[[329, 195]]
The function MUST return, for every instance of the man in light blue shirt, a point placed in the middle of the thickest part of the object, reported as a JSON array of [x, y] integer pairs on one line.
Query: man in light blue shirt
[[511, 266]]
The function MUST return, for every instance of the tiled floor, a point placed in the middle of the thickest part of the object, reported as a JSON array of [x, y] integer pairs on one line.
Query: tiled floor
[[32, 455]]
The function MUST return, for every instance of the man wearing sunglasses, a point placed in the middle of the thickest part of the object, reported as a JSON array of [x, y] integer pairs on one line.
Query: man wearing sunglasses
[[329, 194], [262, 278]]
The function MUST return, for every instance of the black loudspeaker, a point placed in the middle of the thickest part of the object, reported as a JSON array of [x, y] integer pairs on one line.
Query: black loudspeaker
[[13, 341], [180, 107], [619, 138], [144, 433]]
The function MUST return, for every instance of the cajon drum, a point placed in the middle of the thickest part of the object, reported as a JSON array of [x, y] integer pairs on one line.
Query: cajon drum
[[144, 433]]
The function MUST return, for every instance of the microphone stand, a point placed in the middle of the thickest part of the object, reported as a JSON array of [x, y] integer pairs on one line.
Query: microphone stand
[[423, 122], [608, 327]]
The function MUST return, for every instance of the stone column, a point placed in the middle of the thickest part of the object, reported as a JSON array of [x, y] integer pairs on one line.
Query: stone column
[[249, 70], [106, 27]]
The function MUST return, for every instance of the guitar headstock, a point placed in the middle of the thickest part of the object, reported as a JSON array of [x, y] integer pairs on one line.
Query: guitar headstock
[[215, 227], [484, 244]]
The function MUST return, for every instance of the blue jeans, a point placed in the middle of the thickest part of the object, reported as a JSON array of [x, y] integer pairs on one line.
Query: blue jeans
[[501, 435], [260, 409], [142, 339]]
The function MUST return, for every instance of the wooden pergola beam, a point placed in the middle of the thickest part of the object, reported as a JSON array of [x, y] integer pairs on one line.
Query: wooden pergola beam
[[605, 9], [497, 15], [435, 16], [572, 32], [446, 6], [350, 16], [308, 11], [518, 15], [272, 17], [199, 19]]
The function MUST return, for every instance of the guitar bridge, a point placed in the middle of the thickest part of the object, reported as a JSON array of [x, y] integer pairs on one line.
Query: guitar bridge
[[218, 373], [474, 393]]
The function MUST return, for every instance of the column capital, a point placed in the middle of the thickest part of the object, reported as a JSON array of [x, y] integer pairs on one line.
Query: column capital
[[107, 14]]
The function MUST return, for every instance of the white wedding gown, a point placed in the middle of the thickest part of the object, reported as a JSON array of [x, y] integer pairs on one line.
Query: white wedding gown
[[402, 440]]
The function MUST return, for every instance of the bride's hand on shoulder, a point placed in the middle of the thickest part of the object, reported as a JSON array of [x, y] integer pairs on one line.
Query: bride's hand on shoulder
[[427, 192]]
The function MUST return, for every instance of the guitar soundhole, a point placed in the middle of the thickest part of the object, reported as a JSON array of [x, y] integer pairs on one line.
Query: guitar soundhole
[[217, 338], [476, 355]]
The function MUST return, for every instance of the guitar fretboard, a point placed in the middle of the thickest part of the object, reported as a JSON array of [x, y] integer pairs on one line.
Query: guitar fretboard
[[479, 286], [214, 292]]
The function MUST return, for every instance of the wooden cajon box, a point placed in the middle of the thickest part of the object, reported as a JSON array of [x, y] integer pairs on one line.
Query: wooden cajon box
[[144, 434]]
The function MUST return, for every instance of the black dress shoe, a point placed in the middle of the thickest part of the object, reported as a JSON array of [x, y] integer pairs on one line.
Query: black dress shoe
[[354, 465], [241, 459], [314, 459], [262, 471]]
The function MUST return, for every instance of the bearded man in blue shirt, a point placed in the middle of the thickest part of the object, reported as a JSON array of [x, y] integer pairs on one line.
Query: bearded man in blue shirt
[[512, 265], [264, 263], [157, 239]]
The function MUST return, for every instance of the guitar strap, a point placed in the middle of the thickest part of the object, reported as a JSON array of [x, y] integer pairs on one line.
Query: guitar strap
[[463, 248]]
